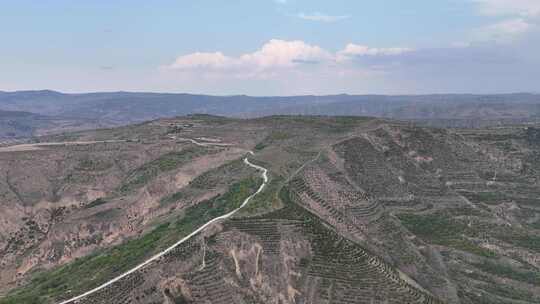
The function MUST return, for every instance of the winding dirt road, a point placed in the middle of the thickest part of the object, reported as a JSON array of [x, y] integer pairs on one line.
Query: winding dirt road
[[164, 252]]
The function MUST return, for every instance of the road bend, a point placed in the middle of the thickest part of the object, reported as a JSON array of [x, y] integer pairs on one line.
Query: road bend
[[264, 174]]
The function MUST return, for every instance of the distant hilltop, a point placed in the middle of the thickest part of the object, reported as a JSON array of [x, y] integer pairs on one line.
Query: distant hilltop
[[62, 111]]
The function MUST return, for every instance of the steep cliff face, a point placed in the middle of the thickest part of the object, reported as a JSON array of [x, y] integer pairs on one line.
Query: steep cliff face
[[357, 210]]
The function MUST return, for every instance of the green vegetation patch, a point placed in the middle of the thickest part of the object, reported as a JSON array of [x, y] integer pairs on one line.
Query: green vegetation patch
[[434, 227], [171, 199], [88, 164], [535, 225], [167, 162], [95, 203], [510, 292], [210, 179], [319, 121], [443, 230], [88, 272], [275, 136], [266, 201], [85, 273], [499, 269], [229, 201], [527, 201], [463, 211], [489, 198], [520, 238], [260, 146]]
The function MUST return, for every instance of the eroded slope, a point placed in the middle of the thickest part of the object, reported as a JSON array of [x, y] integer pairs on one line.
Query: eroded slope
[[356, 211]]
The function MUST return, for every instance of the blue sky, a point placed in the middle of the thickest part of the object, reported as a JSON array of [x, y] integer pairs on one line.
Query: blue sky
[[271, 47]]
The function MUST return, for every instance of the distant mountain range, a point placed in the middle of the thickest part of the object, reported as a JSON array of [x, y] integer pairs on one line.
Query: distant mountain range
[[120, 108]]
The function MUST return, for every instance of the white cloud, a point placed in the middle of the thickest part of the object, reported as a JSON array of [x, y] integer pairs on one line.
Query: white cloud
[[361, 50], [280, 53], [524, 8], [281, 1], [355, 50], [202, 60], [274, 54], [505, 30], [520, 17], [280, 58], [322, 17]]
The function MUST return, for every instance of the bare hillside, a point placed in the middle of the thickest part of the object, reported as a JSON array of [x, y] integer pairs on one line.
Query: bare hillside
[[356, 210]]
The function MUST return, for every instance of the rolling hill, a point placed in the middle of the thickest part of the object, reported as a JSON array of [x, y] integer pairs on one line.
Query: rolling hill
[[121, 108], [356, 210]]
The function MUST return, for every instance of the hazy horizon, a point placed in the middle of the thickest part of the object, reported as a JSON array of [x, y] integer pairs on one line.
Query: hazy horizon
[[254, 95]]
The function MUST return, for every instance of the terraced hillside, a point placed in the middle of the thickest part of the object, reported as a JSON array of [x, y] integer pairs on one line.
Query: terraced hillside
[[357, 210]]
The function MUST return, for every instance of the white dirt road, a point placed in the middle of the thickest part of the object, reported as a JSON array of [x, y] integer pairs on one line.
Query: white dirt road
[[164, 252]]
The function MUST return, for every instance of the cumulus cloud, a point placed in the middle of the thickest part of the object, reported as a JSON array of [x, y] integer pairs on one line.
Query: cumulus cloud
[[278, 55], [275, 54], [322, 17], [202, 60]]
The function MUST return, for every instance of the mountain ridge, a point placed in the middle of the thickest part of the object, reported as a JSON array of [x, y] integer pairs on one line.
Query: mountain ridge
[[120, 108]]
